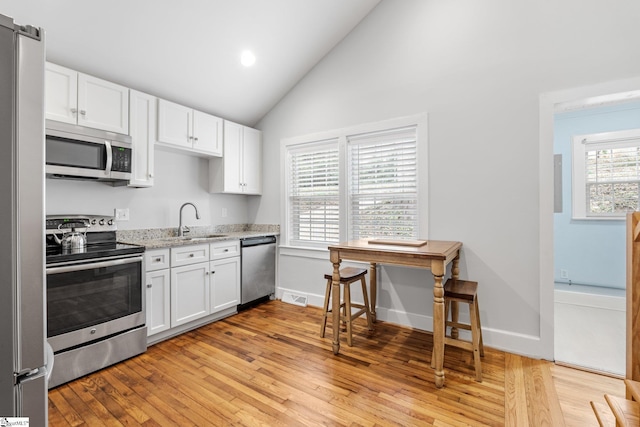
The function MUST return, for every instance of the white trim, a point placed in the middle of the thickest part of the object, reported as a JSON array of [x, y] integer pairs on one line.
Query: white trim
[[549, 103], [580, 144]]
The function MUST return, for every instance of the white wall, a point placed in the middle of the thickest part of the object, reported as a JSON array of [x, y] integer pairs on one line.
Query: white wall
[[179, 178], [477, 68]]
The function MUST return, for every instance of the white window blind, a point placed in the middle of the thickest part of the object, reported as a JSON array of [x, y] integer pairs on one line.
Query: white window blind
[[606, 174], [314, 194], [383, 190]]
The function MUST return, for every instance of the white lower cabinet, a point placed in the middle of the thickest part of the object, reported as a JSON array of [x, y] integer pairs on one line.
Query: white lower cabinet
[[158, 301], [189, 293], [187, 283], [158, 291], [225, 278]]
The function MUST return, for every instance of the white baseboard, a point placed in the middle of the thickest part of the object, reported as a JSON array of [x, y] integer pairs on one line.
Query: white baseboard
[[525, 345]]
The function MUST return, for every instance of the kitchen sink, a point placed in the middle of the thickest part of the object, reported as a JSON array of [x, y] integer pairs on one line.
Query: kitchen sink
[[191, 238], [196, 238]]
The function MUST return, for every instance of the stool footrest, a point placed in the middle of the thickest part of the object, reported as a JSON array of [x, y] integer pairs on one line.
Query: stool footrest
[[459, 325]]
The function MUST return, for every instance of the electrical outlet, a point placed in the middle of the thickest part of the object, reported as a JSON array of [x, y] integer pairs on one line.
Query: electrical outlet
[[224, 212], [122, 214], [564, 274]]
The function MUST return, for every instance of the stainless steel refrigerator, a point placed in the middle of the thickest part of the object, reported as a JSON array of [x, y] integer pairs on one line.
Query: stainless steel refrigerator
[[23, 388]]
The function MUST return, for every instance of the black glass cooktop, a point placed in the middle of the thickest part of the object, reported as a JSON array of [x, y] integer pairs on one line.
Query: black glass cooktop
[[93, 252], [99, 245]]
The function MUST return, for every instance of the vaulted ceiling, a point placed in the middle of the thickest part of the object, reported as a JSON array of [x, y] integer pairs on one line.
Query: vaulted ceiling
[[189, 51]]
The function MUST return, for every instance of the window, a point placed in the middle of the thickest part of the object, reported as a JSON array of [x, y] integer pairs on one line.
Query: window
[[313, 193], [355, 183], [383, 191], [606, 174]]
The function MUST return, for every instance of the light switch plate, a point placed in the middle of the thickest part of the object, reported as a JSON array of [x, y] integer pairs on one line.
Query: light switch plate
[[122, 214]]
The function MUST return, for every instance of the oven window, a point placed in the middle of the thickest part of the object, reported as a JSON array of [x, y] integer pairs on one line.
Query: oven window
[[80, 154], [79, 299]]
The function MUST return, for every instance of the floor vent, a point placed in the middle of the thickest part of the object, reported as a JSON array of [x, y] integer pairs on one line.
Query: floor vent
[[294, 299]]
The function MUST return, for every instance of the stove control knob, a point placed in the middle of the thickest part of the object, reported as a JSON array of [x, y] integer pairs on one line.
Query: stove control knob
[[101, 222], [110, 222], [93, 222]]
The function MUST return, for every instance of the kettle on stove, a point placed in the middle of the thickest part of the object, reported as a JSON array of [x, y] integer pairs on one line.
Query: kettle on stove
[[73, 240]]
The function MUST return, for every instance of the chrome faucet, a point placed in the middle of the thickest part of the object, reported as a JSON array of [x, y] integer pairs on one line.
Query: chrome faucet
[[180, 227]]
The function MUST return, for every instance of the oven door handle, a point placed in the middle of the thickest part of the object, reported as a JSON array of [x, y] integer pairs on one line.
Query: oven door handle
[[93, 265]]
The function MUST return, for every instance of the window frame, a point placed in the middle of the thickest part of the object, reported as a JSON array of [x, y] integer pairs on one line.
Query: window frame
[[579, 196], [419, 121]]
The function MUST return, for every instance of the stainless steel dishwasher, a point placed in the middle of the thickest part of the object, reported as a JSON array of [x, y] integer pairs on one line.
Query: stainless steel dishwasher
[[258, 277]]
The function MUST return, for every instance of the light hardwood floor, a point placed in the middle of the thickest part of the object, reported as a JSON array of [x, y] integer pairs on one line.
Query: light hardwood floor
[[268, 366]]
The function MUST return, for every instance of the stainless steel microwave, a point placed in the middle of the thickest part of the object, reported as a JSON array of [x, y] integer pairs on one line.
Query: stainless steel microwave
[[77, 152]]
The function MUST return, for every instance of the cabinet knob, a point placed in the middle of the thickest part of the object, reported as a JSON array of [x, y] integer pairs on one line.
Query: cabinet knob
[[191, 255], [206, 273], [83, 112], [74, 110], [195, 139], [149, 285], [213, 272], [158, 259], [226, 250], [150, 175]]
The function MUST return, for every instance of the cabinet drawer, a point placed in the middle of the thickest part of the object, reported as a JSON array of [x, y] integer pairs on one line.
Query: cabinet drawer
[[225, 249], [185, 255], [156, 259]]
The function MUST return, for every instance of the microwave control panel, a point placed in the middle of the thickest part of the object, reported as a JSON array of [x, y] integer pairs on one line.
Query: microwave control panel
[[121, 159]]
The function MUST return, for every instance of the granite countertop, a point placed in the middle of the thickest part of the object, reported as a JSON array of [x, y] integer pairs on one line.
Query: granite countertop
[[155, 238]]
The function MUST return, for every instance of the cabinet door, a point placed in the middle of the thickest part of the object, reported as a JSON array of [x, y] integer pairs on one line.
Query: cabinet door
[[207, 133], [232, 157], [190, 295], [61, 93], [225, 283], [102, 104], [174, 124], [142, 128], [251, 161], [158, 307]]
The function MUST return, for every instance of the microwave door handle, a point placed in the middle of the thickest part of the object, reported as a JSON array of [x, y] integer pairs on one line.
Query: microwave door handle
[[107, 171]]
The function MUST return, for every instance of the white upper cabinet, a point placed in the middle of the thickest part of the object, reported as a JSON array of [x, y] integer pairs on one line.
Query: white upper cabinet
[[77, 98], [240, 169], [190, 129], [142, 128], [61, 94]]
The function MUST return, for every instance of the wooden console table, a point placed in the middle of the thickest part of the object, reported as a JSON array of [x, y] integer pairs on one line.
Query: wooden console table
[[434, 255]]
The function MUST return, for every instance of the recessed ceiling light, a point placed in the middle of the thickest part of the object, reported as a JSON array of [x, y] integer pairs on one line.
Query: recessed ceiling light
[[247, 58]]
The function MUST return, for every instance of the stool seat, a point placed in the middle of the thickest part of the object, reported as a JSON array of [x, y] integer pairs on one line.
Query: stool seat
[[464, 291], [348, 275]]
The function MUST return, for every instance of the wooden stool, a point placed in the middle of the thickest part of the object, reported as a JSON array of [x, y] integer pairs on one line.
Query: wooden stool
[[464, 291], [348, 275]]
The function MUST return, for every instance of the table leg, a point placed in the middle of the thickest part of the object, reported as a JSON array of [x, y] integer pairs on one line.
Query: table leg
[[438, 270], [373, 289], [335, 300]]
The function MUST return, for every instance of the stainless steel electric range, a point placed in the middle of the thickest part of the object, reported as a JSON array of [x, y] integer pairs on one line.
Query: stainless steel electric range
[[95, 296]]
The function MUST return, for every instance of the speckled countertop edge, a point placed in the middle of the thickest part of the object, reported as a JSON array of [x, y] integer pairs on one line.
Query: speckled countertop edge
[[154, 238]]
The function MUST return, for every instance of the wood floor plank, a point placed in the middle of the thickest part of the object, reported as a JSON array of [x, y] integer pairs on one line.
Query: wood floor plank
[[516, 411], [268, 366]]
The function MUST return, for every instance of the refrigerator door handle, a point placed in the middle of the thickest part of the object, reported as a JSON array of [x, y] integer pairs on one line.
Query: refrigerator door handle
[[29, 375]]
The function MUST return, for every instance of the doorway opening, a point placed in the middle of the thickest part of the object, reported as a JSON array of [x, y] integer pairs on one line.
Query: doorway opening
[[583, 272]]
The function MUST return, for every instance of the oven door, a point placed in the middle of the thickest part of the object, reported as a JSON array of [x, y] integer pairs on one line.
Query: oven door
[[88, 301]]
